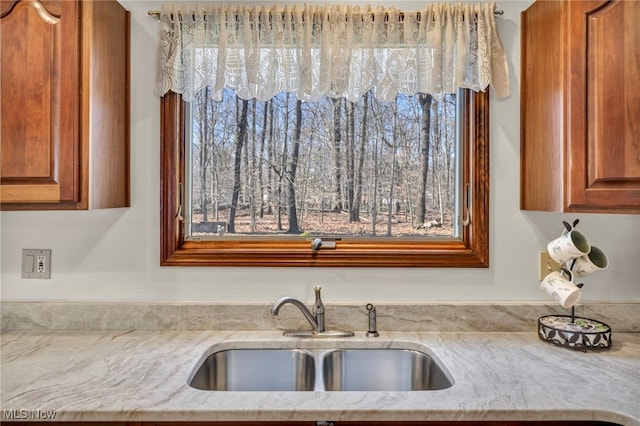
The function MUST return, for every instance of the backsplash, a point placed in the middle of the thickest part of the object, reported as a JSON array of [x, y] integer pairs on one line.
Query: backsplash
[[442, 317]]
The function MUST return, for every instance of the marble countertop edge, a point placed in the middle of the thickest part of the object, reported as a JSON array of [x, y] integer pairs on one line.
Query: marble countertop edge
[[363, 415]]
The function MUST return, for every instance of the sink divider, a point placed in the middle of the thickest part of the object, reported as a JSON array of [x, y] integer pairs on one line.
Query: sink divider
[[318, 359]]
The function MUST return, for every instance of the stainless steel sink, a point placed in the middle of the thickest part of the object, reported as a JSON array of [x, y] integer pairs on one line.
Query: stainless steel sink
[[382, 370], [329, 369], [256, 370]]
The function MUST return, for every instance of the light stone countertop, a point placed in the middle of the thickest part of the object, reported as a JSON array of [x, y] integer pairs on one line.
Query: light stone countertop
[[142, 376]]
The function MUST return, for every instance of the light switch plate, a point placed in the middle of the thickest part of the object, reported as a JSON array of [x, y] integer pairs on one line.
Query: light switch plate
[[36, 263], [547, 265]]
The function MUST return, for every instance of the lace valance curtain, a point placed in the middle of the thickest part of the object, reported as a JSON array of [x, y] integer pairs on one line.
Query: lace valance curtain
[[331, 50]]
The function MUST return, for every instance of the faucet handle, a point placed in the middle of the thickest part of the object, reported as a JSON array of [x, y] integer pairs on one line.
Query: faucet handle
[[315, 244], [318, 306]]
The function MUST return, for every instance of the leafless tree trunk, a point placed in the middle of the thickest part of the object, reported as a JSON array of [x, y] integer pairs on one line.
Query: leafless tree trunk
[[271, 178], [360, 160], [252, 189], [373, 196], [392, 181], [261, 159], [307, 164], [281, 168], [450, 118], [439, 168], [425, 141], [350, 169], [241, 135], [292, 167], [205, 140], [337, 155]]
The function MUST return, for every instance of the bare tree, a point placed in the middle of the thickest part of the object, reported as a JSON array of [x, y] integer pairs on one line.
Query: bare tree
[[392, 180], [263, 138], [350, 160], [271, 178], [280, 169], [337, 155], [205, 140], [308, 162], [252, 188], [373, 192], [355, 209], [291, 169], [425, 141], [241, 135], [438, 169], [449, 114]]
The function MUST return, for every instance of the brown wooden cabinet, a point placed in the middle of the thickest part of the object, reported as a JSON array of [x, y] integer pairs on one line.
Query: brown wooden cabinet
[[580, 106], [64, 105]]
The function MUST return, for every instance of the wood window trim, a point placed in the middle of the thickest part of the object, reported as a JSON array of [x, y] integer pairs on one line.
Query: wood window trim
[[471, 252]]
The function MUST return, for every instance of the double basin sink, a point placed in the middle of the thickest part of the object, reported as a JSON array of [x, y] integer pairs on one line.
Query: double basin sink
[[333, 369]]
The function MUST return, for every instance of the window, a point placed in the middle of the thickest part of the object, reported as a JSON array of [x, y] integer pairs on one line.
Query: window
[[325, 169], [181, 246], [332, 58]]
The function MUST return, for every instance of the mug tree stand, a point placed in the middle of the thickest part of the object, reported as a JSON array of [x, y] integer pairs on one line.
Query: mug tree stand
[[574, 332]]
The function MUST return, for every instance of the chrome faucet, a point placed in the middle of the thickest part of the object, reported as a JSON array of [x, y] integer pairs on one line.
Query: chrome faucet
[[316, 319]]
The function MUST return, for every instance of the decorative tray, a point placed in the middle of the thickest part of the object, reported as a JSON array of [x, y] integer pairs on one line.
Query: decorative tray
[[574, 332]]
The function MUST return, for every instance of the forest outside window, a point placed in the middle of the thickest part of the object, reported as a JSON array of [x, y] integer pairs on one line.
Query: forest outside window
[[326, 169], [292, 156]]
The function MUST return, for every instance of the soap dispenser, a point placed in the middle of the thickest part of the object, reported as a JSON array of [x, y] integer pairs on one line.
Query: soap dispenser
[[318, 310]]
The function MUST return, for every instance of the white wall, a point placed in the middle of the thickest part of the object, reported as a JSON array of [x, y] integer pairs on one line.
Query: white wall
[[114, 254]]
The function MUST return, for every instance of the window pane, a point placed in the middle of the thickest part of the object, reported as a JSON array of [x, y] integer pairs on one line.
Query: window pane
[[329, 168]]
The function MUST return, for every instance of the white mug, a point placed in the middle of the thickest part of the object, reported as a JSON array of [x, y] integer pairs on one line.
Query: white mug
[[596, 260], [570, 245], [562, 290]]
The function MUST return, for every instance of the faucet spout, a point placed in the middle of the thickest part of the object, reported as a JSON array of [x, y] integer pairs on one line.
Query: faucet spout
[[275, 309], [315, 316]]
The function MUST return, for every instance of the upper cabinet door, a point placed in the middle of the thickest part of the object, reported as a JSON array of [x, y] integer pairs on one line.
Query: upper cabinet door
[[39, 78], [612, 175], [580, 116], [65, 114]]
